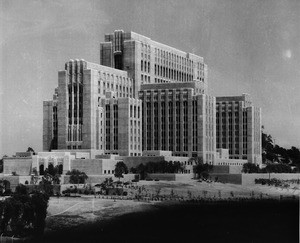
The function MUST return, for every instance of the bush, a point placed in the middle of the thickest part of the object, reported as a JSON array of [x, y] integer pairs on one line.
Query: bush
[[250, 168], [77, 177], [272, 182], [8, 192], [23, 214]]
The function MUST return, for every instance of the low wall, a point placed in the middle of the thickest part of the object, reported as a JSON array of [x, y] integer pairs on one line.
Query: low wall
[[184, 177], [223, 169], [249, 179], [170, 177], [137, 160], [162, 176], [227, 178], [14, 181], [220, 169], [22, 166], [88, 166]]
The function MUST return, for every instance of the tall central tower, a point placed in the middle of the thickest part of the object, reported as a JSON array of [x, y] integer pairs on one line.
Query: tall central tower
[[148, 61]]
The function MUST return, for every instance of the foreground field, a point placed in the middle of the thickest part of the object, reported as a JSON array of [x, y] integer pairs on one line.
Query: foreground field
[[83, 213]]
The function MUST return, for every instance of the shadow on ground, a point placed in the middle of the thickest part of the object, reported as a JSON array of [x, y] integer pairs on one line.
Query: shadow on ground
[[247, 221]]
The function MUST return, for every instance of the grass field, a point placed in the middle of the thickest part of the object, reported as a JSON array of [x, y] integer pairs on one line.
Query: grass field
[[69, 215]]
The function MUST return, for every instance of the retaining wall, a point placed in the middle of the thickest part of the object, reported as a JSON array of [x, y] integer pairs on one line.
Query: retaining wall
[[170, 177], [162, 176]]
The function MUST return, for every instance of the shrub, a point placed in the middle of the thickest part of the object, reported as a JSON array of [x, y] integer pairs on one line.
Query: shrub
[[272, 182], [77, 177], [24, 214]]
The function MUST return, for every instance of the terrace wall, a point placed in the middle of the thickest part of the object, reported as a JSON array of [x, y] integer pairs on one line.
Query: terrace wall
[[170, 177]]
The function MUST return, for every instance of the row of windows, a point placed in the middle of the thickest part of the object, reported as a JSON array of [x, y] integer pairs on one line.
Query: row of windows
[[172, 73], [125, 92], [74, 147], [228, 103], [74, 77], [145, 66], [113, 79], [108, 172], [135, 146], [145, 47], [74, 133], [145, 56], [172, 59], [134, 111], [145, 79]]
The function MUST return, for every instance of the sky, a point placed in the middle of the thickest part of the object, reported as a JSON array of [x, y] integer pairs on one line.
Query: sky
[[249, 46]]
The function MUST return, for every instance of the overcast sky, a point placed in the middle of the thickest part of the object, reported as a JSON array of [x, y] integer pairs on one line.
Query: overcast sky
[[250, 47]]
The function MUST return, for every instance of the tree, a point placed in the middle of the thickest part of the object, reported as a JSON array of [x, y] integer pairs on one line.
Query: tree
[[141, 170], [277, 168], [77, 177], [108, 182], [52, 175], [23, 214], [196, 160], [250, 168], [29, 149], [120, 169], [39, 203], [201, 169], [34, 177], [1, 165]]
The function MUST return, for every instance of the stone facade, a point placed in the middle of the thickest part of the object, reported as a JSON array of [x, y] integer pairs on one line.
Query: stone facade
[[147, 96], [18, 165], [84, 91], [123, 124], [239, 128], [148, 61], [178, 118]]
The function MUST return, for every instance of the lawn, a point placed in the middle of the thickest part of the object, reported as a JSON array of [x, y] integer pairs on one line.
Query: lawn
[[89, 219]]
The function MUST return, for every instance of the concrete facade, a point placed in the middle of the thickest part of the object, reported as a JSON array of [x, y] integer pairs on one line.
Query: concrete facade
[[148, 61], [42, 160], [178, 119], [239, 128], [123, 124], [19, 165], [78, 114], [146, 96]]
